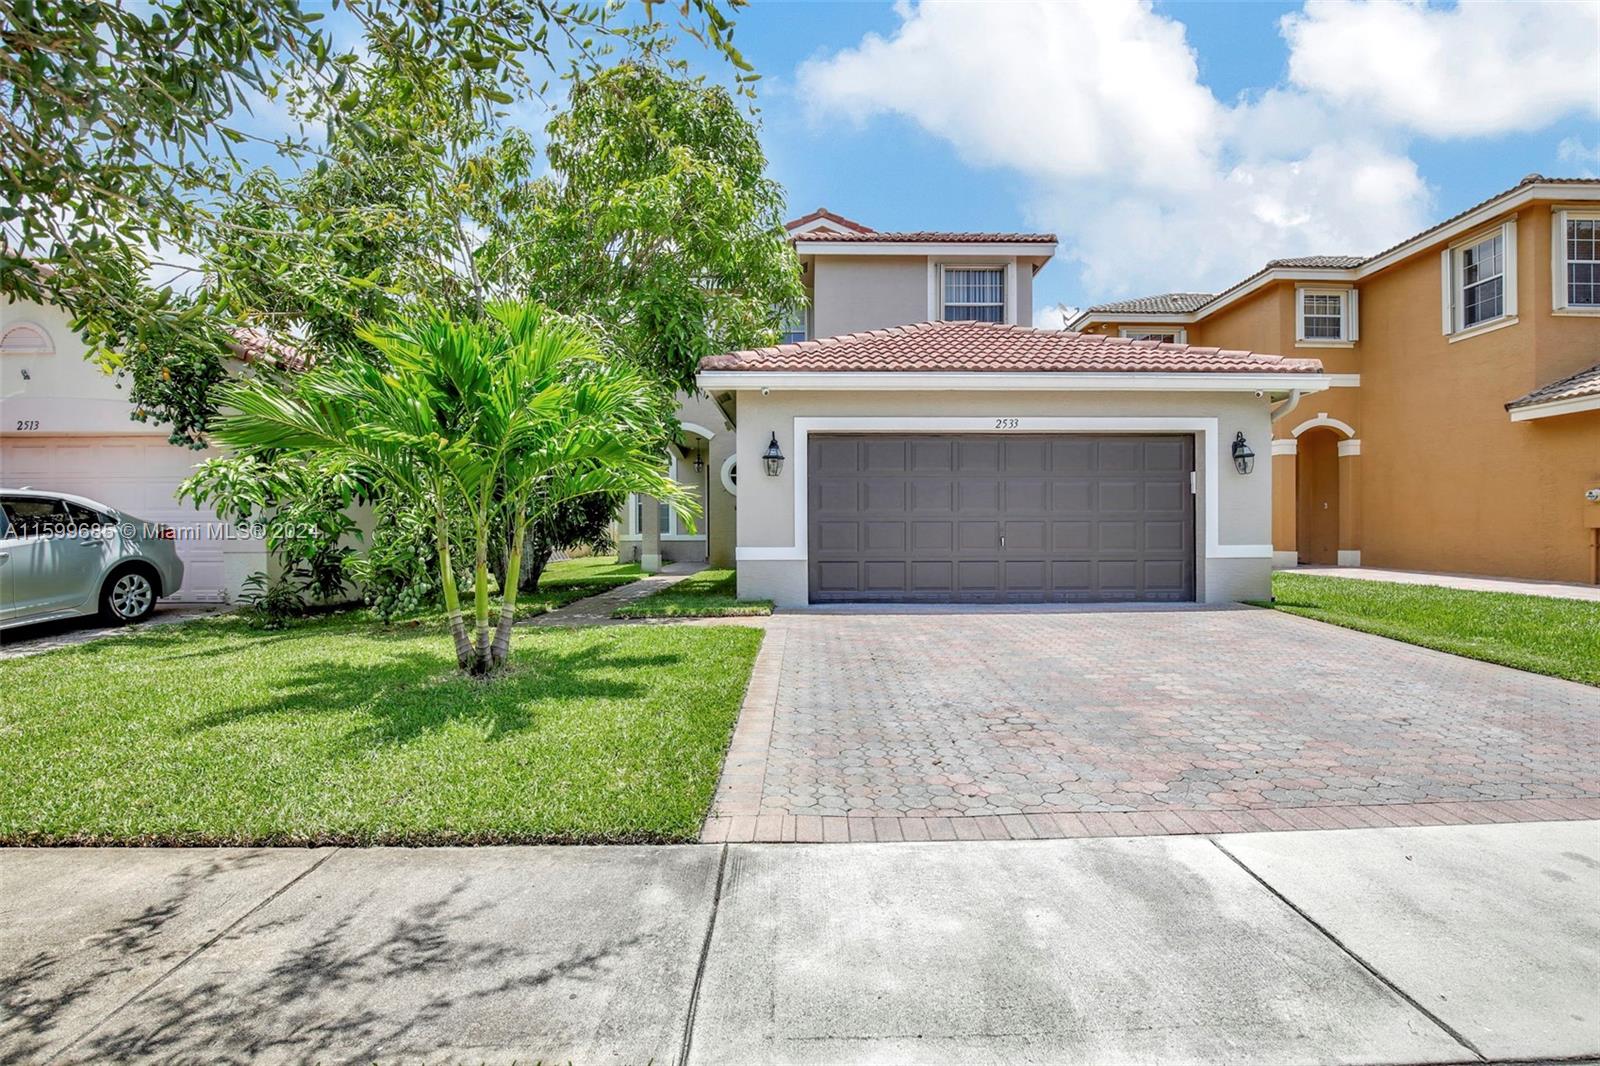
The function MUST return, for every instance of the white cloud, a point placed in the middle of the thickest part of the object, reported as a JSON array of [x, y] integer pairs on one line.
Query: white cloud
[[1573, 151], [1152, 183], [1057, 89], [1472, 70], [1055, 316]]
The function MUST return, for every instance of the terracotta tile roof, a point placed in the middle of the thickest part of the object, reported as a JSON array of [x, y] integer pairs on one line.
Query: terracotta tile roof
[[926, 237], [966, 347], [253, 345], [1585, 382], [1166, 303], [1319, 262], [821, 214]]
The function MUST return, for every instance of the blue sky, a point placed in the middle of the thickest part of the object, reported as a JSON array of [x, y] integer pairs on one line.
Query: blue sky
[[1171, 146]]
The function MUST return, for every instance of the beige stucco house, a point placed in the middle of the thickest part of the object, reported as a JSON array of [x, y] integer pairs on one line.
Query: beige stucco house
[[1462, 429], [916, 440]]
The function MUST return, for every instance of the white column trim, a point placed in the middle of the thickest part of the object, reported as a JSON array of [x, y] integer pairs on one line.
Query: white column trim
[[1349, 447], [1349, 558], [1206, 429], [1288, 446], [1322, 419]]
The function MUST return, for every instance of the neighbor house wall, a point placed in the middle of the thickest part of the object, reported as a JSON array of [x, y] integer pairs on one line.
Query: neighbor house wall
[[766, 518], [1449, 482]]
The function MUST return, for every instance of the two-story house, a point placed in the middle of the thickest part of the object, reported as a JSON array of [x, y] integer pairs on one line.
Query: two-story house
[[914, 439], [1462, 431]]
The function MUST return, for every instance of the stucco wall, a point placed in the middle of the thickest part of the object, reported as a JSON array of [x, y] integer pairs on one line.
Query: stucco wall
[[854, 293], [713, 537], [766, 517], [1445, 481]]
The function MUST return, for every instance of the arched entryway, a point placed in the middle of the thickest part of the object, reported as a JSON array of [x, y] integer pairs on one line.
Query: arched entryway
[[1317, 506]]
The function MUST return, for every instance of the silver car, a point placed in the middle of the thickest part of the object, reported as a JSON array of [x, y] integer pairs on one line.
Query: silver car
[[63, 556]]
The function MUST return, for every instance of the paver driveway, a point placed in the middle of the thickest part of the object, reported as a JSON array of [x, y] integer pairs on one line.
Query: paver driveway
[[929, 723]]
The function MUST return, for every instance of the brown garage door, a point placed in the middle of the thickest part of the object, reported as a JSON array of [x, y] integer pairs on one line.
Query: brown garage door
[[1001, 519]]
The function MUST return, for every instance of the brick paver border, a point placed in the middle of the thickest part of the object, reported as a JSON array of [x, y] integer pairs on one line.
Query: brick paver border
[[812, 829]]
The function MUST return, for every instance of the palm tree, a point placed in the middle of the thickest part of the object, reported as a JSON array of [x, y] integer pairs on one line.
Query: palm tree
[[500, 418]]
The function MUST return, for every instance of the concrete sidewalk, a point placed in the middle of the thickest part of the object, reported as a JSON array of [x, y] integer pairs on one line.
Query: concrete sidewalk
[[1441, 944]]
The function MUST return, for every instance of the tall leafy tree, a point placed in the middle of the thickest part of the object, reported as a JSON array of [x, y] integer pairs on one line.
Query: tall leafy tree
[[658, 221], [120, 122], [498, 418]]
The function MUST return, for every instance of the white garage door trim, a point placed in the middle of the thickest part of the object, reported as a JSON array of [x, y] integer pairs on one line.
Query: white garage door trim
[[1209, 445]]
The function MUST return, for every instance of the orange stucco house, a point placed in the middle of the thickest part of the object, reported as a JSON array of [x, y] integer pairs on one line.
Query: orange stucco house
[[1463, 429]]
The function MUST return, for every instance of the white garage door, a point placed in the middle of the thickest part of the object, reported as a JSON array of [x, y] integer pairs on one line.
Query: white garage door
[[139, 475]]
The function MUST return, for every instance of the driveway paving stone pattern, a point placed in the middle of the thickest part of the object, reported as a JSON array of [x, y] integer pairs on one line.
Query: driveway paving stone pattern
[[996, 724]]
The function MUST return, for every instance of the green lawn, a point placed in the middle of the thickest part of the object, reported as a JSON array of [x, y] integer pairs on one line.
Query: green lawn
[[338, 730], [1539, 633], [708, 594], [570, 580]]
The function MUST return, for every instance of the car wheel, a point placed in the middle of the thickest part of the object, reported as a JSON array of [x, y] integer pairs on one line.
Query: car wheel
[[128, 597]]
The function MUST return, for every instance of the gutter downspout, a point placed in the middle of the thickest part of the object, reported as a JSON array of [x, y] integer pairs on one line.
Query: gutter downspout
[[1285, 407]]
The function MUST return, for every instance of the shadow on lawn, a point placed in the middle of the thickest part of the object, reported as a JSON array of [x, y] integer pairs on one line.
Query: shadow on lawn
[[414, 693]]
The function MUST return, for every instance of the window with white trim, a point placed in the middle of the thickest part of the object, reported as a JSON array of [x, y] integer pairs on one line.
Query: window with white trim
[[1325, 316], [974, 294], [1166, 336], [1481, 279], [1576, 249], [667, 521]]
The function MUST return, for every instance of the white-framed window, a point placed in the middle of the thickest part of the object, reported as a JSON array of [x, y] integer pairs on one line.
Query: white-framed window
[[974, 294], [1325, 317], [1575, 260], [794, 327], [1480, 280], [1165, 334], [25, 338]]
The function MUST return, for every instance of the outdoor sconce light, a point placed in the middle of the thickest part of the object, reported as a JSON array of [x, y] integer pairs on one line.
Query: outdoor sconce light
[[1244, 460], [699, 461], [773, 457]]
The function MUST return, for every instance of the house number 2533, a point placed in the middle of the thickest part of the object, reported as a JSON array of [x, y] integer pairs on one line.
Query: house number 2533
[[1007, 423]]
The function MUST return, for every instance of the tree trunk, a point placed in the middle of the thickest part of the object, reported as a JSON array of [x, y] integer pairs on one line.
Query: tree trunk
[[508, 595], [452, 598], [480, 603], [535, 556]]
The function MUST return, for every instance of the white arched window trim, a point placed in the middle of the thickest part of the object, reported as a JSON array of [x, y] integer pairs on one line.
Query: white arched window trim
[[1322, 419], [26, 338]]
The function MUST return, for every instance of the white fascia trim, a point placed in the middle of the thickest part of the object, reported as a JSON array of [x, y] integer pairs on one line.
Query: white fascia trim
[[1322, 419], [1349, 447], [695, 427], [923, 248], [1551, 408], [969, 381], [1207, 429], [1174, 318], [1280, 446], [1344, 381]]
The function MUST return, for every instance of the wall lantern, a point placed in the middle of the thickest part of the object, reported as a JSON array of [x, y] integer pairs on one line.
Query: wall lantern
[[773, 457], [1244, 460], [699, 461]]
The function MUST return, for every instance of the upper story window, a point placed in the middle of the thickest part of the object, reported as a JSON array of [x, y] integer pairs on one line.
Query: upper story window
[[1325, 316], [1480, 280], [25, 338], [1575, 247], [794, 327], [974, 294], [1166, 336]]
